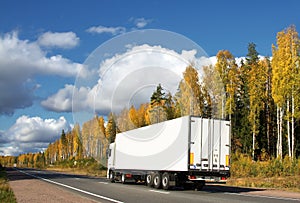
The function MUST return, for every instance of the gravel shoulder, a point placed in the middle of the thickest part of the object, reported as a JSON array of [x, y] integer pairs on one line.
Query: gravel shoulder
[[268, 192], [31, 190], [276, 193]]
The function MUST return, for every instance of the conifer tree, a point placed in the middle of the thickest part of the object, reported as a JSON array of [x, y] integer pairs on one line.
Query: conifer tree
[[111, 128], [157, 109]]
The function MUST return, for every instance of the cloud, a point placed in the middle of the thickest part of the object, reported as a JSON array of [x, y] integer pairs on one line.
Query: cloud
[[126, 79], [62, 100], [20, 62], [102, 29], [3, 138], [32, 134], [64, 40], [140, 22]]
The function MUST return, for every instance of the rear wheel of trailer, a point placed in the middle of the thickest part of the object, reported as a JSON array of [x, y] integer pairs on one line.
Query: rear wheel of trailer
[[149, 180], [165, 181], [157, 180]]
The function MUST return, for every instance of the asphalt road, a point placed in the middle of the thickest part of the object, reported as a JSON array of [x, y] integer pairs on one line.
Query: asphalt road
[[99, 189]]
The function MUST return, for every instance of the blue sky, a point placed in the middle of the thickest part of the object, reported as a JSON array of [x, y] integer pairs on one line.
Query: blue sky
[[45, 43]]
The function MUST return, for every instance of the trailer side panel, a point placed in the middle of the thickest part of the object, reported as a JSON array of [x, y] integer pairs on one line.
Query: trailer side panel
[[162, 146]]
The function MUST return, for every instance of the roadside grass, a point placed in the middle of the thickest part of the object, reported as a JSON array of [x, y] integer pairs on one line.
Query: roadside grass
[[82, 167], [289, 183], [6, 193], [271, 173]]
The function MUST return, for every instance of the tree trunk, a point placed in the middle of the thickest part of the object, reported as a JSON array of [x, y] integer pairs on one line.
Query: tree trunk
[[253, 137], [288, 126], [293, 125], [253, 144], [268, 126], [280, 131]]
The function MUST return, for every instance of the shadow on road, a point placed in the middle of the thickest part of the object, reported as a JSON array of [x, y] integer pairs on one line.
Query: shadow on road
[[20, 174], [223, 188], [13, 175]]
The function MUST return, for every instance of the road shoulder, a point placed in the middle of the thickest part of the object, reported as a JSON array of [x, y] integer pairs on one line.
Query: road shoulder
[[29, 189]]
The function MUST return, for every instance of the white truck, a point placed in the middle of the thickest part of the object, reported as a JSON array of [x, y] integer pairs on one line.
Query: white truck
[[177, 152]]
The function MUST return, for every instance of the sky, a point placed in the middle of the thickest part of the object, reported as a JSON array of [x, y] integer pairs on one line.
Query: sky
[[63, 61]]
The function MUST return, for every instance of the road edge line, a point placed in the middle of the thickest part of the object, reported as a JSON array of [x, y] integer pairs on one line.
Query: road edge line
[[73, 188]]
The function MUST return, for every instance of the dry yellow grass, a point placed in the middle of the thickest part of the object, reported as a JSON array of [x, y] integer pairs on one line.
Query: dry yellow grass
[[6, 193], [289, 183]]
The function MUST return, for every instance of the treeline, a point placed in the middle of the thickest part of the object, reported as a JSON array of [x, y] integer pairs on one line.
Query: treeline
[[260, 95], [31, 160]]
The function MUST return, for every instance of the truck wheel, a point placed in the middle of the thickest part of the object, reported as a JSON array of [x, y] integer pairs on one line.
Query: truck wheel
[[165, 181], [199, 185], [149, 180], [123, 178], [111, 176], [157, 180]]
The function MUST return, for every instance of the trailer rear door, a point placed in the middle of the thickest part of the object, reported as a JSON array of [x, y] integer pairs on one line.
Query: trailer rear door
[[209, 144]]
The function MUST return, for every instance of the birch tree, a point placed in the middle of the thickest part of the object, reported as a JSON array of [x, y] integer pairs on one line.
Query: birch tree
[[226, 68], [285, 63], [189, 97]]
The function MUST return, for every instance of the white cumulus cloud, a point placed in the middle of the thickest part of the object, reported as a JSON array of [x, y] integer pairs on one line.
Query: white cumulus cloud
[[64, 40], [102, 29], [62, 100], [20, 62], [127, 79], [32, 134]]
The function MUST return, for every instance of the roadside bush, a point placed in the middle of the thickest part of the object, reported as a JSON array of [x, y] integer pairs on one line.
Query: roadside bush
[[243, 166], [84, 166], [6, 193]]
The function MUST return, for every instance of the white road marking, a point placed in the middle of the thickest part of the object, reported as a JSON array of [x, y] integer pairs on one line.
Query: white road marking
[[162, 192], [262, 196], [103, 183], [73, 188]]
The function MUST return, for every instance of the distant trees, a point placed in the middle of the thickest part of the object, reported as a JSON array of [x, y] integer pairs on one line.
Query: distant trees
[[94, 140], [69, 146]]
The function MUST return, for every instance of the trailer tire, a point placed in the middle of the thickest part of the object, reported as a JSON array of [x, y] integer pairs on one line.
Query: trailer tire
[[199, 185], [111, 176], [123, 178], [149, 180], [165, 181], [157, 180]]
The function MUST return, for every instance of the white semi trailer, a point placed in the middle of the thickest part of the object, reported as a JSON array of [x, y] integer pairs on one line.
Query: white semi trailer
[[172, 153]]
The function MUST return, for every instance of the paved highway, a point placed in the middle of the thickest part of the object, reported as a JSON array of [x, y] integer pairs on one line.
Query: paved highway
[[99, 189]]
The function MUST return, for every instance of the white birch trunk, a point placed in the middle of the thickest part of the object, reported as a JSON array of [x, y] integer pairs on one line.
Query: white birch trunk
[[253, 137], [280, 131], [293, 125], [253, 143], [288, 127]]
